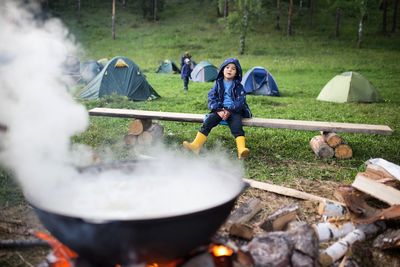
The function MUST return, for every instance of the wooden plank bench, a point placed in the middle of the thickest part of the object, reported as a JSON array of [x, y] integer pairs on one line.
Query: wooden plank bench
[[255, 122]]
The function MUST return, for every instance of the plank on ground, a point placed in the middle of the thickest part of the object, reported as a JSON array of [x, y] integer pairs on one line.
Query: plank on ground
[[255, 122]]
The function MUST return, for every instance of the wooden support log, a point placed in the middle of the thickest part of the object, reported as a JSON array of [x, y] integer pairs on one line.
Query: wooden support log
[[340, 248], [280, 218], [343, 151], [321, 148], [153, 133], [130, 139], [137, 126], [332, 139]]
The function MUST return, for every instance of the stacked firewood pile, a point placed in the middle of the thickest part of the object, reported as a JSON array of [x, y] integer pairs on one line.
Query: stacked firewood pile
[[143, 132], [281, 240], [328, 145]]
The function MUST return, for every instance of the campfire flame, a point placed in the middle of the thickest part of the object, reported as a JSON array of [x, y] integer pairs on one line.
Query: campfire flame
[[61, 255], [221, 251]]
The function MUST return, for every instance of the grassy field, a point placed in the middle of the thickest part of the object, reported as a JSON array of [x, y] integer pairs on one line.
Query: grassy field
[[301, 65]]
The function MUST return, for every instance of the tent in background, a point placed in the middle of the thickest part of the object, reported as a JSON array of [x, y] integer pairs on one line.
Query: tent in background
[[168, 66], [204, 72], [89, 69], [349, 87], [258, 81], [123, 77]]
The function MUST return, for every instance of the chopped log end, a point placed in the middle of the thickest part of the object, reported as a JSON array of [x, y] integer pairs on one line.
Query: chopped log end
[[332, 139], [343, 151], [145, 138], [137, 126], [130, 139], [321, 148]]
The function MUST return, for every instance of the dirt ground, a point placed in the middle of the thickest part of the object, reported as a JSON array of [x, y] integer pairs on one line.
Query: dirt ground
[[18, 223]]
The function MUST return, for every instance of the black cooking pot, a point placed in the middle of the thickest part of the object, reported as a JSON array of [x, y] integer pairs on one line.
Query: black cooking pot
[[108, 243]]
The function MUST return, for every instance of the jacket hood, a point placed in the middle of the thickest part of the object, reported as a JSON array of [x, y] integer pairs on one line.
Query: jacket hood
[[226, 62]]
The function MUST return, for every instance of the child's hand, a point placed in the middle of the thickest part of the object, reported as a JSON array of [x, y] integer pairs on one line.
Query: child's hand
[[221, 113], [226, 114]]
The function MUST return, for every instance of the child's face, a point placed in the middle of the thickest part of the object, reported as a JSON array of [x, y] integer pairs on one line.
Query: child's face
[[230, 71]]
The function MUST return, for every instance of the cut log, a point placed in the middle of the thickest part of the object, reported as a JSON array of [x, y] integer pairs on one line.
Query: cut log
[[245, 212], [340, 248], [152, 134], [130, 139], [330, 209], [332, 139], [343, 151], [378, 171], [378, 190], [137, 126], [156, 130], [321, 148], [144, 138], [241, 230], [280, 218], [388, 240], [326, 231]]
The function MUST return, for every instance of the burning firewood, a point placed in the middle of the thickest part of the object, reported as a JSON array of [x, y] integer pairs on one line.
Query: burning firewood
[[241, 230]]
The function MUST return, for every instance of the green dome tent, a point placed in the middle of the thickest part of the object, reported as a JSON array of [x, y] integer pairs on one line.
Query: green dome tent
[[349, 87], [168, 66], [204, 72], [120, 76]]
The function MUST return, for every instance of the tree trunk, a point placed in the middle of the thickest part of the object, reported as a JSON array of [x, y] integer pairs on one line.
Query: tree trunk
[[226, 8], [155, 10], [384, 16], [312, 7], [243, 32], [124, 3], [337, 33], [395, 8], [278, 16], [113, 19], [360, 31], [289, 26], [79, 10]]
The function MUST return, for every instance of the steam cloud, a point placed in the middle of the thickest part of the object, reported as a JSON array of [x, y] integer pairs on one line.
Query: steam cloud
[[41, 116]]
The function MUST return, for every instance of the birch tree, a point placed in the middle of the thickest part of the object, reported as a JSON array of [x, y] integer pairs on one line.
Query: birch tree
[[246, 9]]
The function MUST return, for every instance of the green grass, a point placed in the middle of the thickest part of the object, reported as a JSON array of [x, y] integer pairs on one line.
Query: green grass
[[301, 65]]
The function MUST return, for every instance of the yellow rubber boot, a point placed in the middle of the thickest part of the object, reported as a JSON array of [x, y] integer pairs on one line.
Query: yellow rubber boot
[[197, 143], [243, 152]]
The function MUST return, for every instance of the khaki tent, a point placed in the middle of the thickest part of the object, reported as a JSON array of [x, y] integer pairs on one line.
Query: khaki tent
[[349, 87]]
